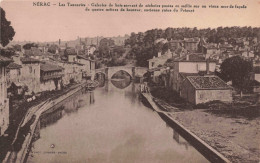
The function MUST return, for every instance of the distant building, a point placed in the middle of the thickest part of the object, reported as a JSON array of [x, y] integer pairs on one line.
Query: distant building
[[202, 89], [4, 101], [72, 57], [51, 77], [191, 44], [160, 60], [175, 44], [210, 49], [226, 47], [88, 64], [90, 50], [248, 54]]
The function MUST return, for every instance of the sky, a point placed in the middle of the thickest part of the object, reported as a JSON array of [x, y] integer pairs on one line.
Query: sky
[[50, 23]]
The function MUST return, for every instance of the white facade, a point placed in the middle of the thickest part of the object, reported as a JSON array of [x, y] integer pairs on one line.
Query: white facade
[[4, 102]]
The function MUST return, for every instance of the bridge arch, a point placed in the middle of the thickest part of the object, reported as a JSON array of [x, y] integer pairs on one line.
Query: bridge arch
[[110, 71]]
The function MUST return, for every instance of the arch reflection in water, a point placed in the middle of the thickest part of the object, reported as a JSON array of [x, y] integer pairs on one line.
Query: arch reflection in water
[[121, 79]]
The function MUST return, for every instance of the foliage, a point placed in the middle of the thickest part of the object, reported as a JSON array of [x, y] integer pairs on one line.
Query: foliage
[[7, 31], [116, 62], [28, 46], [104, 47], [8, 52], [52, 48], [69, 51], [237, 70], [142, 42], [17, 47]]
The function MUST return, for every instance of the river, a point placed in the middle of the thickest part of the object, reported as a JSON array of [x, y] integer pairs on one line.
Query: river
[[109, 125]]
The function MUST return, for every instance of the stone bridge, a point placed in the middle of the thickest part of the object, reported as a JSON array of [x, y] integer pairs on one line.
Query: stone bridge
[[110, 71]]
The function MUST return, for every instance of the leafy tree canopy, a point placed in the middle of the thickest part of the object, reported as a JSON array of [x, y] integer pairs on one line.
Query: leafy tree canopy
[[28, 46], [7, 31], [237, 70]]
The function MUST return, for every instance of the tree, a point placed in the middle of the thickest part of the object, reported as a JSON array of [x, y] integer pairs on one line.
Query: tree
[[104, 47], [28, 46], [237, 70], [7, 31], [52, 49]]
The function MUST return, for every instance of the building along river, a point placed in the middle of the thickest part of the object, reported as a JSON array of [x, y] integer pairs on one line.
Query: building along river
[[109, 124]]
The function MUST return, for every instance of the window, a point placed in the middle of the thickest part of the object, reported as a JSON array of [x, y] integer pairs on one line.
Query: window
[[152, 64], [19, 72], [30, 69]]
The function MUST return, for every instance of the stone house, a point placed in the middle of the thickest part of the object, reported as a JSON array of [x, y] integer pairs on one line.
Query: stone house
[[202, 89], [30, 73], [88, 64], [13, 73], [4, 101], [51, 77], [71, 70], [13, 78], [193, 65]]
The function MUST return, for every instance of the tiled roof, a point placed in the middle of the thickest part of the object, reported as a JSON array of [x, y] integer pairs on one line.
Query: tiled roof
[[207, 82], [29, 60], [13, 65], [201, 73], [50, 67], [194, 58]]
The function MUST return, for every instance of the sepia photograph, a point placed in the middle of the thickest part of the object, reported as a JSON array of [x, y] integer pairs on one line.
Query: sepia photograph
[[140, 81]]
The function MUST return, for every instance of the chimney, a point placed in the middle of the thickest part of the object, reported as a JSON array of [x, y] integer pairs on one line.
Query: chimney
[[187, 57], [59, 42], [207, 66]]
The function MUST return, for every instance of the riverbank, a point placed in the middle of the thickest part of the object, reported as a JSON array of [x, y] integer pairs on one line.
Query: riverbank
[[36, 111], [236, 137], [210, 153]]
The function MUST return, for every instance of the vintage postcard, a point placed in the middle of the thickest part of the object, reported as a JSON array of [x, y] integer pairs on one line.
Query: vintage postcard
[[140, 81]]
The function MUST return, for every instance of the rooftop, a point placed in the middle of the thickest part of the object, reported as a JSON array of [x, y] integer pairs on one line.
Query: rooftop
[[50, 67], [207, 82], [201, 73], [29, 60], [13, 65], [195, 57]]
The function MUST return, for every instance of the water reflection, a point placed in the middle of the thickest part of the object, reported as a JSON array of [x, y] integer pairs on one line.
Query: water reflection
[[121, 83], [70, 105], [112, 127], [101, 78]]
